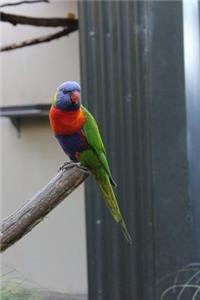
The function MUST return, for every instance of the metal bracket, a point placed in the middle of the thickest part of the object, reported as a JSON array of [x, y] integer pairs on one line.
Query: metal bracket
[[16, 122]]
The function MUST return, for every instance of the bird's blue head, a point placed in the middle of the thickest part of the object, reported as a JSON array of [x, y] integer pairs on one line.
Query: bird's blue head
[[67, 96]]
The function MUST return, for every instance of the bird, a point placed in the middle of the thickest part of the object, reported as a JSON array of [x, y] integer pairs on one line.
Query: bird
[[77, 132]]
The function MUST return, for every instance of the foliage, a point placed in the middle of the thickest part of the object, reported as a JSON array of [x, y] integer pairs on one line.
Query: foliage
[[16, 292]]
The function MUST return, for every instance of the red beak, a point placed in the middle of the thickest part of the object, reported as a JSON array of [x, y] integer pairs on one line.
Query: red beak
[[75, 96]]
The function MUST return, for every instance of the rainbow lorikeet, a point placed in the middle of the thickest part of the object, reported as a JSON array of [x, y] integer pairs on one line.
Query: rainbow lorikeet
[[77, 132]]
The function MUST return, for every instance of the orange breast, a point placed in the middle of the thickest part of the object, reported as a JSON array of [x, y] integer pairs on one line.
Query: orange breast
[[66, 122]]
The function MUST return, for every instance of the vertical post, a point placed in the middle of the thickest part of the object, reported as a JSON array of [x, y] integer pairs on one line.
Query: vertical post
[[191, 23], [132, 58]]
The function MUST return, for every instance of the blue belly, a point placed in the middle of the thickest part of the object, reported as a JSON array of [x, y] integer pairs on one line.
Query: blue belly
[[72, 144]]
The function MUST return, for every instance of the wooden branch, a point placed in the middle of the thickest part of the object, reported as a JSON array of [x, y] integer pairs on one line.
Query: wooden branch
[[39, 40], [23, 2], [30, 214], [45, 22]]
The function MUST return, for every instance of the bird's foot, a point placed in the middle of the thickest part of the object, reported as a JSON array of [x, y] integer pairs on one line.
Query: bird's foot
[[71, 164], [66, 165]]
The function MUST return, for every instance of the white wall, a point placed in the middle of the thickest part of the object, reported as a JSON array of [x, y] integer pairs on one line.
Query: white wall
[[53, 254]]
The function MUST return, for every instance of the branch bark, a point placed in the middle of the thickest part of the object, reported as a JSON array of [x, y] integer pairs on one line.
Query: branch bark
[[23, 2], [44, 22], [15, 226], [39, 40]]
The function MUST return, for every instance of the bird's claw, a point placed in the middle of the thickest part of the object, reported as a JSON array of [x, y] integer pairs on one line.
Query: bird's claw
[[66, 165], [71, 164]]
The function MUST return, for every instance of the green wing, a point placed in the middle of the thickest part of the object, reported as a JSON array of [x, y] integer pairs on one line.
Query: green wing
[[92, 134]]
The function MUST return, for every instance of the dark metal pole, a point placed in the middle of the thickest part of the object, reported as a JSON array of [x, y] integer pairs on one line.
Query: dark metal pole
[[132, 57]]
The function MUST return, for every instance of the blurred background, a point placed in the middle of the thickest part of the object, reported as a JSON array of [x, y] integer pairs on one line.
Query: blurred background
[[139, 66]]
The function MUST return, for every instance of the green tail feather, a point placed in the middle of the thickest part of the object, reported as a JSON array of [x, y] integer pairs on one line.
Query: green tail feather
[[105, 186], [125, 231]]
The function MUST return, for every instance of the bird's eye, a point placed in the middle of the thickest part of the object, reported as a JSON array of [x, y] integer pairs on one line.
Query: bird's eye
[[67, 91]]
